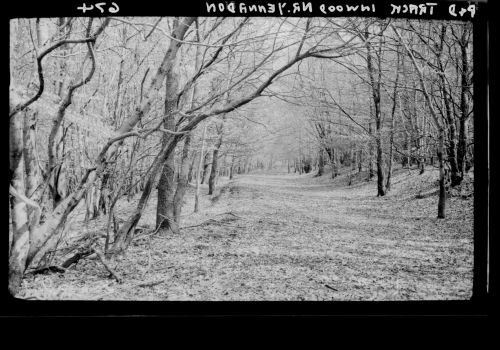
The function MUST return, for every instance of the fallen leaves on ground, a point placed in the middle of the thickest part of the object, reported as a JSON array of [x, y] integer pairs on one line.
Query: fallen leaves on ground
[[289, 237]]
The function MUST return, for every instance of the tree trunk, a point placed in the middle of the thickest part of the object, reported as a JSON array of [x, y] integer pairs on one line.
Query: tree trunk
[[206, 164], [165, 212], [102, 196], [182, 183], [380, 169], [464, 106], [393, 112], [375, 85], [19, 214], [191, 167], [352, 165], [33, 177], [198, 172], [231, 168], [442, 180], [452, 136], [213, 171], [321, 163], [360, 160], [215, 157], [371, 172], [126, 232], [391, 155]]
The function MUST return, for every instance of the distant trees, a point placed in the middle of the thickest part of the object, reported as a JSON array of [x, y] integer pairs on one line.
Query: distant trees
[[409, 103]]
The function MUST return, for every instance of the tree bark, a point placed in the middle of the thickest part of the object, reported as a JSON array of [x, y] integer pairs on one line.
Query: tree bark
[[19, 214], [182, 183], [371, 172], [391, 156], [464, 105], [442, 183], [206, 164], [393, 112], [215, 157], [321, 162], [198, 172], [191, 167], [165, 212], [360, 160], [33, 176], [375, 87]]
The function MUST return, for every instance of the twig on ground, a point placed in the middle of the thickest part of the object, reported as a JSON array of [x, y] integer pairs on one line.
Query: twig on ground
[[229, 213], [203, 223], [110, 270], [52, 268], [214, 221], [327, 286], [431, 193], [164, 268], [150, 284]]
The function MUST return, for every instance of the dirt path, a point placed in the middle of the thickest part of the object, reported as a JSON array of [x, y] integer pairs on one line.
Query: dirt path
[[348, 239], [272, 237]]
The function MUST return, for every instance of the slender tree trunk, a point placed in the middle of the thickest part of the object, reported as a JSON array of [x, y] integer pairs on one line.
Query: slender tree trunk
[[33, 176], [321, 163], [206, 164], [18, 209], [391, 156], [185, 169], [231, 168], [215, 157], [191, 167], [198, 172], [213, 170], [360, 160], [126, 232], [407, 158], [335, 162], [352, 166], [371, 172], [442, 182], [134, 165], [464, 106], [165, 217], [182, 183], [393, 112], [89, 204], [452, 136], [380, 168], [375, 85], [102, 196]]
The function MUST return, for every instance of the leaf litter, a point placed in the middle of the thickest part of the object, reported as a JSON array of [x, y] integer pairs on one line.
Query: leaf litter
[[288, 237]]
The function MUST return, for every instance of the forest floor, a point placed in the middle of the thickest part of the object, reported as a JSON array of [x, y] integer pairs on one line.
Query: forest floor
[[289, 237]]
